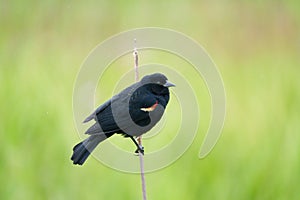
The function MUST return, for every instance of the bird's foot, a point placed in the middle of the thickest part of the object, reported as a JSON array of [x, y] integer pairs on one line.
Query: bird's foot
[[140, 149]]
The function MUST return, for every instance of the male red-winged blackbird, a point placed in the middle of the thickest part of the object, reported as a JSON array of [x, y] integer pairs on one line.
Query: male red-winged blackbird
[[132, 112]]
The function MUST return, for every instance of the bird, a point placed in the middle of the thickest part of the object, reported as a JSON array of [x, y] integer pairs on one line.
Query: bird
[[131, 113]]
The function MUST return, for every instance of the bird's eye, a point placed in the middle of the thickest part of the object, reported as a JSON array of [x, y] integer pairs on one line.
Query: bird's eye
[[158, 82]]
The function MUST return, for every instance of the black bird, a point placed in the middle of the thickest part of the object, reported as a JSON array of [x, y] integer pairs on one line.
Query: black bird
[[132, 112]]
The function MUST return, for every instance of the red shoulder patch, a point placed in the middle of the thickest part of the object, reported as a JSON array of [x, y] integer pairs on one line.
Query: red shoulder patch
[[151, 108]]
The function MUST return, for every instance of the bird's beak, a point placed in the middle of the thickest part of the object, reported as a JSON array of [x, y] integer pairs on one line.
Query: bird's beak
[[169, 84]]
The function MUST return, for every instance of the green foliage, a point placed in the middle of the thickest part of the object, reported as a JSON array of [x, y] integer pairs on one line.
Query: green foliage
[[254, 43]]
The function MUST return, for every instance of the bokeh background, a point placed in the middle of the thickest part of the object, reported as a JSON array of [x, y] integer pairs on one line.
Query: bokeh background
[[256, 45]]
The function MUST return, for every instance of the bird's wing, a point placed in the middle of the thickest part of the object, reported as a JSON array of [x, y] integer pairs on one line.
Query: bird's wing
[[119, 120], [98, 110], [94, 129], [105, 122], [122, 96]]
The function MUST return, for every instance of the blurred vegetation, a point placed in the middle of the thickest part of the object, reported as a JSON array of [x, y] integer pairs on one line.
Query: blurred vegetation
[[256, 45]]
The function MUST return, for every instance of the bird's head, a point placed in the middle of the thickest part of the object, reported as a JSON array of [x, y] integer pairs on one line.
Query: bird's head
[[157, 79]]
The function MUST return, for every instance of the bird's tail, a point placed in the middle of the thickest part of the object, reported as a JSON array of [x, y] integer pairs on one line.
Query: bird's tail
[[82, 150]]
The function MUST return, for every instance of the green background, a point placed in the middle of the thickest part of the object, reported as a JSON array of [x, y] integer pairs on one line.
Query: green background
[[256, 45]]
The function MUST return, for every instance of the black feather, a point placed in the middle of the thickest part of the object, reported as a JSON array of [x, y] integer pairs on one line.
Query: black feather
[[117, 114]]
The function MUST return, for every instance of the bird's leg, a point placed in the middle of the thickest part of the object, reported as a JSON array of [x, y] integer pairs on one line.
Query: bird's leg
[[139, 148]]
